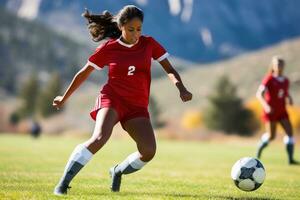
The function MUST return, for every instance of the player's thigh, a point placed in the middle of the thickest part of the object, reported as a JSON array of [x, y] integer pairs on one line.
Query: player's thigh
[[141, 131], [105, 121], [287, 126]]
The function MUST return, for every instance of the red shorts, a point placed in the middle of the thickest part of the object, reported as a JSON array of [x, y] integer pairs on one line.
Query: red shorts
[[125, 111], [276, 116]]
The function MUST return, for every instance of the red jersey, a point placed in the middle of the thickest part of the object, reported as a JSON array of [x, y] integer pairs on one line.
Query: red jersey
[[276, 92], [129, 75]]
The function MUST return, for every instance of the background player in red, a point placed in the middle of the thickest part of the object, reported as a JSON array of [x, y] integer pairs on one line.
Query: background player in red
[[273, 93], [125, 97]]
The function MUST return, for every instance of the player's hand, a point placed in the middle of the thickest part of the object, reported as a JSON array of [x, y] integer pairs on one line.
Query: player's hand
[[268, 109], [290, 101], [185, 95], [58, 102]]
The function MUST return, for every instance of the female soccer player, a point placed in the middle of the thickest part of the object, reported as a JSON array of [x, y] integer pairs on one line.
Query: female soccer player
[[125, 96], [272, 94]]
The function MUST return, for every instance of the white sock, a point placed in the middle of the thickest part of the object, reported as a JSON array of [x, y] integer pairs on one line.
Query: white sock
[[79, 157], [265, 138], [131, 164], [288, 140]]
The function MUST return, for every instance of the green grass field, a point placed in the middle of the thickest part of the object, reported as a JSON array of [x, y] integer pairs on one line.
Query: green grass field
[[29, 169]]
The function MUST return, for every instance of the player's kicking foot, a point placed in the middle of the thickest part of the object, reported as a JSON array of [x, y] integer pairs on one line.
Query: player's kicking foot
[[115, 180], [294, 162], [61, 189]]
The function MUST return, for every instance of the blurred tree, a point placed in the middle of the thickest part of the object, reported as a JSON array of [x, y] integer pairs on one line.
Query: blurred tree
[[191, 120], [226, 111], [154, 113], [8, 79], [46, 97], [8, 72], [29, 93], [14, 118]]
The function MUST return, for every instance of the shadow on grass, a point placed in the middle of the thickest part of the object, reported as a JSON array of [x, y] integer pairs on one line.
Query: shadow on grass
[[132, 195], [244, 198], [180, 196]]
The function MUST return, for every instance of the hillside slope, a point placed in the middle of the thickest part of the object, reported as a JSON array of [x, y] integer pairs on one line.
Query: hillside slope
[[246, 71], [197, 30]]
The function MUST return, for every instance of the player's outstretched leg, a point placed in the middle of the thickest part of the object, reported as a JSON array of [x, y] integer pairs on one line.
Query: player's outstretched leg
[[131, 164], [105, 121], [263, 144], [289, 143], [80, 157]]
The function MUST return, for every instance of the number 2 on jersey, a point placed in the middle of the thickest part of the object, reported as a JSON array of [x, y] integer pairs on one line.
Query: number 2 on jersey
[[280, 93], [131, 70]]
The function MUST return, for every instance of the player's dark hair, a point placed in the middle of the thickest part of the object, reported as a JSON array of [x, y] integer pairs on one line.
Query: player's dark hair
[[128, 13], [106, 25]]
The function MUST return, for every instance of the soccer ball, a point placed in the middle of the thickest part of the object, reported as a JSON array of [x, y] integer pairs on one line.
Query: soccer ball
[[248, 174]]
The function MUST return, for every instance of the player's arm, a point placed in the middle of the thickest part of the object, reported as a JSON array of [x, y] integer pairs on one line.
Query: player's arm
[[290, 99], [185, 95], [288, 96], [260, 96], [78, 79]]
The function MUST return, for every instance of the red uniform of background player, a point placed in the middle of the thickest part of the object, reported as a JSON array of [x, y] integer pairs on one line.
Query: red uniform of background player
[[276, 92], [125, 96], [273, 93]]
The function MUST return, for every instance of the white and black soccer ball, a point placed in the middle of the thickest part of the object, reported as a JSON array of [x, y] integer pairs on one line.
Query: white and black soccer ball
[[248, 174]]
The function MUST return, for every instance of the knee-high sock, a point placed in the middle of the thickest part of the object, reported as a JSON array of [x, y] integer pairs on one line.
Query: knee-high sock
[[289, 142], [131, 164], [79, 157], [264, 141]]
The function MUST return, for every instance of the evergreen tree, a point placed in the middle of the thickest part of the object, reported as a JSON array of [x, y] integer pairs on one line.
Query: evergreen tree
[[52, 89], [8, 73], [226, 112], [29, 93]]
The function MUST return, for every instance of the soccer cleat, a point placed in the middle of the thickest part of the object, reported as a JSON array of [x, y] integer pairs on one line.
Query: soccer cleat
[[116, 179], [294, 162], [61, 189]]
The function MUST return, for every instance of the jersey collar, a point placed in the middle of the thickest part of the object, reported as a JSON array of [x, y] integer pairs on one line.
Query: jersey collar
[[279, 78], [126, 45]]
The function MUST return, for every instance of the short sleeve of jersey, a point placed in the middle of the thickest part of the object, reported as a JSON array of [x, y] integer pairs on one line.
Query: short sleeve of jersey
[[158, 51], [266, 81], [98, 58]]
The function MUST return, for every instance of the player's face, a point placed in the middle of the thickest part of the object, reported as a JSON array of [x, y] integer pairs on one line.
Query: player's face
[[131, 31], [278, 68]]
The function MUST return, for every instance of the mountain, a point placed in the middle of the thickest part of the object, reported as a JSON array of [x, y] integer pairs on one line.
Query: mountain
[[196, 30], [28, 47]]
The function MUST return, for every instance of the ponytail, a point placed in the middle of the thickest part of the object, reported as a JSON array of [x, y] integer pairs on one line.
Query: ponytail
[[102, 26]]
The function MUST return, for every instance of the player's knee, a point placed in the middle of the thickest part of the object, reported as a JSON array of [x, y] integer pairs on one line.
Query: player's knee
[[99, 139], [148, 153]]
